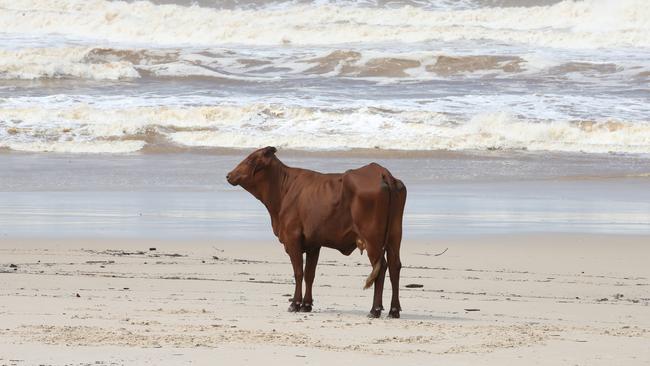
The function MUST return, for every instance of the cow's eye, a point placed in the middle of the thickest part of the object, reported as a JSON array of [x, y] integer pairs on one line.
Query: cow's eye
[[257, 168]]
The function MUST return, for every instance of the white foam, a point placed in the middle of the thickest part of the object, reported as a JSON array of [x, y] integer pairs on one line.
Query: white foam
[[83, 128], [79, 147], [270, 65], [60, 62], [569, 24]]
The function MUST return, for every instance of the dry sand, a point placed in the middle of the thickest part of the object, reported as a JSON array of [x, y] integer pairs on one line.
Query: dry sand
[[540, 299]]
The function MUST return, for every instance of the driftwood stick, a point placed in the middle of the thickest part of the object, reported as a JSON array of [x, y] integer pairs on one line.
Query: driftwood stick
[[434, 255], [441, 253]]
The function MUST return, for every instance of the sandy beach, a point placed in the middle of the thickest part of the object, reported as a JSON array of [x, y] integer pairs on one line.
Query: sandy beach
[[548, 299], [520, 128]]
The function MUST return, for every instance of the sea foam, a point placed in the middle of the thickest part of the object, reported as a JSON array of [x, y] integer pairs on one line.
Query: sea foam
[[573, 24], [83, 128]]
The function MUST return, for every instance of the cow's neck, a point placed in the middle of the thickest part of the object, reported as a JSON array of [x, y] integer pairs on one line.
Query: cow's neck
[[272, 193]]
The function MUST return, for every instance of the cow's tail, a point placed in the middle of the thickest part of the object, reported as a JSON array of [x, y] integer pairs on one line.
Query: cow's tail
[[373, 275], [392, 190]]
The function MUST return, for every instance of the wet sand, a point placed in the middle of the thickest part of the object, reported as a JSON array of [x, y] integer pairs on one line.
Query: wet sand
[[186, 197], [497, 299]]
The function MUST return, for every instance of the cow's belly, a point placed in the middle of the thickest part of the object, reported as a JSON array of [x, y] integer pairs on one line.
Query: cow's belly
[[330, 235], [335, 232]]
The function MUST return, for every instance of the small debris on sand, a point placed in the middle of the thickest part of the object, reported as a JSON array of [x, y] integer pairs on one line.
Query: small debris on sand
[[116, 252], [100, 262], [414, 285], [472, 309]]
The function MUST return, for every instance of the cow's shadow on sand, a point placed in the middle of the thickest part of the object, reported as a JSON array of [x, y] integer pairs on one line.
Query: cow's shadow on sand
[[403, 316]]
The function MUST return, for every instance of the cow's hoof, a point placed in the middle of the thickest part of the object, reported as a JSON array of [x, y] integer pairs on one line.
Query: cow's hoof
[[393, 313], [294, 307], [374, 313], [305, 308]]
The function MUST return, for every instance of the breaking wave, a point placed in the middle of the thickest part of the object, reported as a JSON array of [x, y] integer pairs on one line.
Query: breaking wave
[[105, 63], [124, 76], [572, 24], [84, 128]]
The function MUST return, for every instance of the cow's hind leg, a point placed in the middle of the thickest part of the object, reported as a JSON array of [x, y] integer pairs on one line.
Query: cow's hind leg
[[310, 273], [377, 303], [295, 254], [369, 208], [376, 256], [370, 227], [392, 250], [394, 267]]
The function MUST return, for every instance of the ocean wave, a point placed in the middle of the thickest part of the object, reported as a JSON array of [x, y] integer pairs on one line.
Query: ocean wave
[[84, 128], [568, 24], [64, 62], [107, 63], [280, 4]]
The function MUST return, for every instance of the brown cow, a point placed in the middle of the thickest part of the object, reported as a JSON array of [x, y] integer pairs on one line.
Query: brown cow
[[361, 208]]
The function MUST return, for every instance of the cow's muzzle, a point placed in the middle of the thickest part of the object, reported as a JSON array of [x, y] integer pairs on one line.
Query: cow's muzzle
[[231, 179]]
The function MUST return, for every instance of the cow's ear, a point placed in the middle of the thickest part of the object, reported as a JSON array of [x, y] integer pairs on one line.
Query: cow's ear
[[269, 150]]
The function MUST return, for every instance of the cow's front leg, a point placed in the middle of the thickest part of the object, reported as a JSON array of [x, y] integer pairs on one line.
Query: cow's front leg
[[295, 254], [310, 273]]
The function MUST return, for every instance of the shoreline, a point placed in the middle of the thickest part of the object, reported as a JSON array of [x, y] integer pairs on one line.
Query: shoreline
[[458, 166], [185, 196], [170, 149]]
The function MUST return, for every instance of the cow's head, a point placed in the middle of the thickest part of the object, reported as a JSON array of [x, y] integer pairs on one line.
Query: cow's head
[[252, 169]]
